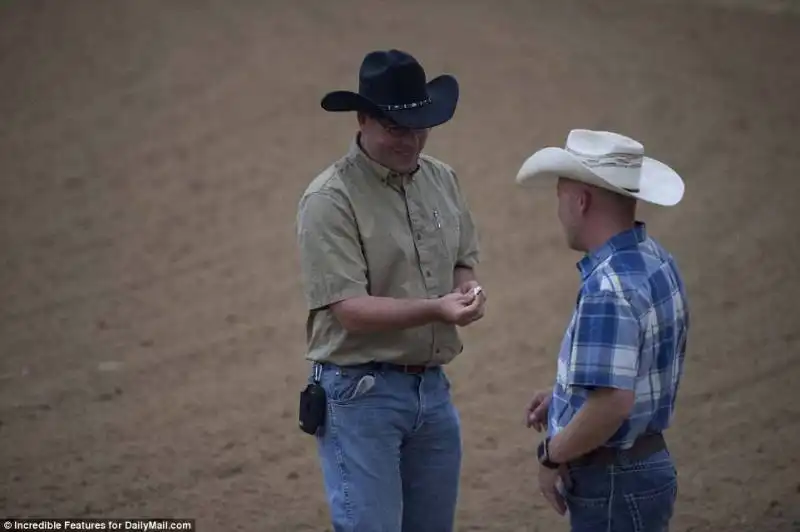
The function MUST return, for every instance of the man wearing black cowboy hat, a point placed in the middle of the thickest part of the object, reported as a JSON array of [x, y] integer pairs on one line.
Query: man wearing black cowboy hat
[[388, 249]]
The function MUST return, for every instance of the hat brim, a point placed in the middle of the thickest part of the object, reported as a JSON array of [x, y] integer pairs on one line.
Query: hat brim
[[442, 90], [659, 184]]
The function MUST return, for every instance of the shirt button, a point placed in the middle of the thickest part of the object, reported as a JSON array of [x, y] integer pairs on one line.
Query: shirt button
[[419, 236], [427, 273]]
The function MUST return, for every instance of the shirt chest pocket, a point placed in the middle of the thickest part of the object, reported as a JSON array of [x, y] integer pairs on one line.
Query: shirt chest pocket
[[447, 231]]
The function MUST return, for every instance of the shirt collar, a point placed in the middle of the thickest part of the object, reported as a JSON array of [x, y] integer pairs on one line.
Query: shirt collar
[[626, 239], [388, 176]]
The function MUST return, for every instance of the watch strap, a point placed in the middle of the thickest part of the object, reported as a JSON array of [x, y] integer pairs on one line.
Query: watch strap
[[543, 454]]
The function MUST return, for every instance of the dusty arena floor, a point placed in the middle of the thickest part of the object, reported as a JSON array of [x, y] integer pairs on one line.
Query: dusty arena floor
[[151, 317]]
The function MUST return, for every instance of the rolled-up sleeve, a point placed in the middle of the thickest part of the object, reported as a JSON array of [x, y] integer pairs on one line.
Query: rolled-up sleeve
[[333, 267], [606, 339]]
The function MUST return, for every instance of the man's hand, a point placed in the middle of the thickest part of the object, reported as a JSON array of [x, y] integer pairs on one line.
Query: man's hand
[[460, 309], [468, 288], [536, 415], [550, 481]]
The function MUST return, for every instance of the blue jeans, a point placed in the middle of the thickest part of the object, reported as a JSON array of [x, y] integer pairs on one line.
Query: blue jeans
[[390, 454], [628, 496]]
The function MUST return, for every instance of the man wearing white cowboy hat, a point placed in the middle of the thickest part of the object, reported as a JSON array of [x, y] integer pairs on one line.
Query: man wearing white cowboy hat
[[388, 249], [604, 457]]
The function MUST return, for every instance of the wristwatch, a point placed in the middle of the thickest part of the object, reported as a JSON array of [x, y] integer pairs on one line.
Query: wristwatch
[[543, 454]]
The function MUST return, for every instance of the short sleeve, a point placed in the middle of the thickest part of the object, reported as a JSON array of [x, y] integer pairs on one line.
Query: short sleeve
[[332, 262], [606, 343], [468, 247]]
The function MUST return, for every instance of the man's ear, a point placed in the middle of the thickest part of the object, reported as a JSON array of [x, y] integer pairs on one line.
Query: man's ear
[[584, 199]]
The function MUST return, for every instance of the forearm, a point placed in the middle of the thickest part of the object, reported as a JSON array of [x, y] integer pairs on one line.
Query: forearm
[[462, 275], [597, 420], [373, 314]]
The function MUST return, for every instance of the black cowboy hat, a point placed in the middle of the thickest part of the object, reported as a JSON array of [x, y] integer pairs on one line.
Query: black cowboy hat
[[392, 84]]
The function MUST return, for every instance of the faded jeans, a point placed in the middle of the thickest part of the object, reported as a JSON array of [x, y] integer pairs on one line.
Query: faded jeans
[[390, 455], [629, 496]]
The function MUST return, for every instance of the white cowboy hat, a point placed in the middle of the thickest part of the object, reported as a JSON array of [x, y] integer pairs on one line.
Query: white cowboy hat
[[608, 160]]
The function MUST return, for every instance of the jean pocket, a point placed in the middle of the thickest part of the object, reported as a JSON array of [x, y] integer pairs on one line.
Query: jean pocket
[[651, 510], [586, 503], [585, 513], [347, 386]]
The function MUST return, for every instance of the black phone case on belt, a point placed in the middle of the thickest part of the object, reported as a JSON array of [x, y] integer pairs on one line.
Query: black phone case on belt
[[313, 405]]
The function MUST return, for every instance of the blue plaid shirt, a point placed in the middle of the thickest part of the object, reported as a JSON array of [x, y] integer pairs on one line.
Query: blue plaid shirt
[[628, 331]]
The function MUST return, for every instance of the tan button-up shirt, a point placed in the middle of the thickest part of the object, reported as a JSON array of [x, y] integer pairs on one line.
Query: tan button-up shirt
[[365, 230]]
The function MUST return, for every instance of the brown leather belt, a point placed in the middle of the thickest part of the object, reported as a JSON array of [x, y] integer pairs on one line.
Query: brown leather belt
[[643, 447], [414, 369], [405, 368]]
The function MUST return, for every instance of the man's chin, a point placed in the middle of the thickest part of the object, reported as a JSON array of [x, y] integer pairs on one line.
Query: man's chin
[[406, 168], [571, 244], [407, 162]]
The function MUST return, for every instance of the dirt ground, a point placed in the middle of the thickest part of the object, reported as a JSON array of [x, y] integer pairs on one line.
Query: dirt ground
[[151, 317]]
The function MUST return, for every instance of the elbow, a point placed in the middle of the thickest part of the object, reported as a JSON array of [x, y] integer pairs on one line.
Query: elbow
[[348, 315], [353, 325], [617, 403], [621, 403]]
